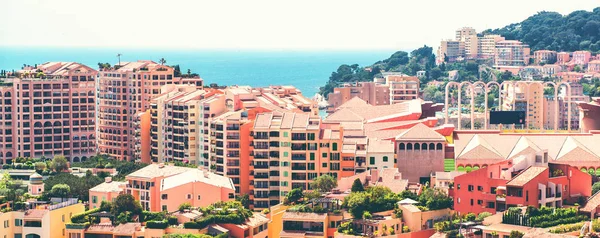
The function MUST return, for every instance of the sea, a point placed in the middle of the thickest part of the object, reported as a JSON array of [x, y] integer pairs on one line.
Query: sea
[[307, 70]]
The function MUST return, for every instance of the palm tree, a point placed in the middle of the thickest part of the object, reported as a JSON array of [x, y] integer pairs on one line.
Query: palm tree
[[119, 56], [162, 61]]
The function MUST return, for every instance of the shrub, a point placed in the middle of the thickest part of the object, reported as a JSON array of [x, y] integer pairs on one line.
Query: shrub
[[83, 217], [367, 215], [266, 211], [191, 225], [5, 166], [99, 166], [172, 220], [482, 216], [471, 217], [566, 228], [152, 216], [157, 224], [19, 166], [184, 206]]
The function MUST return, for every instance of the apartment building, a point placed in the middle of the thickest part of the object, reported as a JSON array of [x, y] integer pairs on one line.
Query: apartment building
[[581, 57], [40, 221], [593, 66], [511, 53], [125, 91], [450, 51], [563, 58], [48, 110], [371, 92], [402, 87], [527, 97], [107, 191], [544, 57], [525, 180], [161, 187], [576, 96], [180, 119], [467, 45]]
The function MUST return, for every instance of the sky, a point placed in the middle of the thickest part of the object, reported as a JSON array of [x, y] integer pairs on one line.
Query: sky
[[258, 24]]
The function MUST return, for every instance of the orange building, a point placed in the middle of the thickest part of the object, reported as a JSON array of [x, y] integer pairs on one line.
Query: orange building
[[125, 90]]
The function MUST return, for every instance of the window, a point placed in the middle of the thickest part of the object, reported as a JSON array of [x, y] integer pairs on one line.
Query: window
[[471, 202], [324, 165], [285, 134], [493, 190], [285, 173], [385, 159], [324, 155], [372, 160], [470, 188], [164, 207], [479, 188], [285, 154], [164, 196], [189, 196], [18, 222], [312, 156], [334, 146], [458, 186], [491, 205], [479, 202], [198, 197], [6, 225], [94, 199]]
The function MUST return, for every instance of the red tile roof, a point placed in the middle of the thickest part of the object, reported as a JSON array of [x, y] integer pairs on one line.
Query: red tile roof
[[526, 176]]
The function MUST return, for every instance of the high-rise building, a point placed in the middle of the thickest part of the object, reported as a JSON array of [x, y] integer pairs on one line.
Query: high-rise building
[[125, 91], [511, 53], [544, 57], [450, 51], [465, 32], [527, 97], [48, 110]]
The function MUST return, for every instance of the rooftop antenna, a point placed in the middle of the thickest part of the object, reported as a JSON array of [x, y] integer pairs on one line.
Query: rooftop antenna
[[119, 56]]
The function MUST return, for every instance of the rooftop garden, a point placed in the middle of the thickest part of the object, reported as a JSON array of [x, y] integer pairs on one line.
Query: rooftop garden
[[542, 217]]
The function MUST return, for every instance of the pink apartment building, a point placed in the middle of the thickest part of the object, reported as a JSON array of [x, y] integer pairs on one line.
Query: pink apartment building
[[544, 56], [593, 66], [48, 110], [581, 57], [125, 91], [161, 187], [563, 57]]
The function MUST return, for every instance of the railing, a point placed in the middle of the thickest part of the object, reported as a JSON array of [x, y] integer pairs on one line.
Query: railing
[[67, 203]]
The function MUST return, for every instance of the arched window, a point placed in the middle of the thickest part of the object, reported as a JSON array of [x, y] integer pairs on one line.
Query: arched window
[[7, 94], [32, 236], [37, 124], [47, 124], [9, 154], [431, 146], [57, 123], [409, 146], [417, 146], [439, 146], [401, 146], [424, 146]]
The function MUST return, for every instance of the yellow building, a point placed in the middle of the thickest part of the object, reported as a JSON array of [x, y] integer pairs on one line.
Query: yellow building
[[44, 221]]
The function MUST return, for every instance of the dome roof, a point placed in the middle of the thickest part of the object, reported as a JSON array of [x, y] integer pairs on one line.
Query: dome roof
[[35, 178]]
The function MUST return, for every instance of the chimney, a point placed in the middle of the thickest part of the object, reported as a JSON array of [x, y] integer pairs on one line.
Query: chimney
[[108, 179]]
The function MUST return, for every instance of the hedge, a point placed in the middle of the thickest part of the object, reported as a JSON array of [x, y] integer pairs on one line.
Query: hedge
[[157, 224], [83, 217], [211, 219], [172, 220], [566, 228], [152, 216]]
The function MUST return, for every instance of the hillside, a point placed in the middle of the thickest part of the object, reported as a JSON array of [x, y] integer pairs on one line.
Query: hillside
[[580, 30]]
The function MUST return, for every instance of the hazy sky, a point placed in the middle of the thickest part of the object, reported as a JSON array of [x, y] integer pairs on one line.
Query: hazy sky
[[258, 24]]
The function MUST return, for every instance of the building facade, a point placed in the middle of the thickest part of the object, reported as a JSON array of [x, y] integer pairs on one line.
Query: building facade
[[125, 91], [49, 110]]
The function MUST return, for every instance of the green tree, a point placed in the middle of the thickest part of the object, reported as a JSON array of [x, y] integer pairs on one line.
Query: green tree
[[516, 234], [294, 196], [357, 203], [162, 61], [60, 163], [185, 206], [244, 199], [61, 190], [79, 186], [595, 187], [324, 183], [126, 203], [357, 186]]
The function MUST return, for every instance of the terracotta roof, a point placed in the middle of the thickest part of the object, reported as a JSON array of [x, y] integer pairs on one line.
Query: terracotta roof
[[101, 228], [392, 179], [256, 220], [35, 213], [196, 175], [380, 146], [506, 228], [523, 146], [127, 228], [354, 102], [154, 170], [420, 132], [479, 148], [112, 186], [411, 208], [592, 203], [526, 176], [573, 150]]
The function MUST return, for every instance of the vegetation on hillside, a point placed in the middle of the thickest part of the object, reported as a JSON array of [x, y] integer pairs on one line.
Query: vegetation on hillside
[[579, 30]]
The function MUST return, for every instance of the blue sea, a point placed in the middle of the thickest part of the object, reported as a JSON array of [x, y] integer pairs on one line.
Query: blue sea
[[307, 70]]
